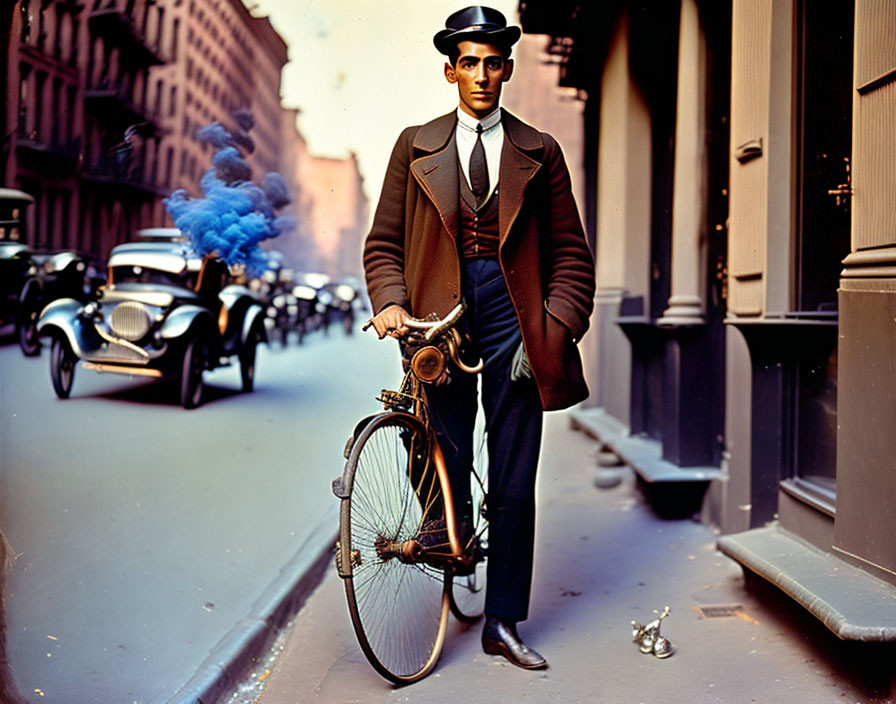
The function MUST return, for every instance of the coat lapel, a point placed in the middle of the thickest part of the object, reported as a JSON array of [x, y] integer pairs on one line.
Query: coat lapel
[[437, 172], [518, 168], [437, 176]]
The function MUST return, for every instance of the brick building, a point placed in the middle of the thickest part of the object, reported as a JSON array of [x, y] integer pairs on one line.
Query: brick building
[[104, 100], [77, 78]]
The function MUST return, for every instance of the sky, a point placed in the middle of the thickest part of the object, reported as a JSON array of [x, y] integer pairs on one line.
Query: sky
[[363, 70]]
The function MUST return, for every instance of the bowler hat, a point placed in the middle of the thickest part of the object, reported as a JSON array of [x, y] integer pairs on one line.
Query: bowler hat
[[475, 23]]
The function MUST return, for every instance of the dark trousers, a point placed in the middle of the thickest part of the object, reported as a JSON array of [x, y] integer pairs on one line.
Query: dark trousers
[[513, 418]]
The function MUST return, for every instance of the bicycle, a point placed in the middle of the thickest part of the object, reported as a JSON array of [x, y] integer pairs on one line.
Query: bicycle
[[404, 569]]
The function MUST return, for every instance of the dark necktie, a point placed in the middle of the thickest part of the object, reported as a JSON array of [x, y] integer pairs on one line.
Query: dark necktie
[[478, 169]]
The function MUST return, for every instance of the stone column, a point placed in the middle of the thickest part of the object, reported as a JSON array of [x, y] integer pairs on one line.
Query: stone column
[[688, 279], [623, 220]]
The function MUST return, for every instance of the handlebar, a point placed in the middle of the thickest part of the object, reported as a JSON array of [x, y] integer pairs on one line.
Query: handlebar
[[434, 328]]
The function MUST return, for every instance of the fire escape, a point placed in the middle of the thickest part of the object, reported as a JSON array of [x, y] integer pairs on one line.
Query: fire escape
[[122, 128]]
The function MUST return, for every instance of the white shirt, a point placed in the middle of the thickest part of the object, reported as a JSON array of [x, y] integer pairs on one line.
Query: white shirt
[[492, 141]]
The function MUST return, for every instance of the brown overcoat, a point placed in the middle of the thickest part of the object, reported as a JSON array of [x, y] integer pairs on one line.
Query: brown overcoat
[[411, 257]]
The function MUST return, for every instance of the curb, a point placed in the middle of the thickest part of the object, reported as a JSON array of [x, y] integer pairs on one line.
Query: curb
[[236, 653]]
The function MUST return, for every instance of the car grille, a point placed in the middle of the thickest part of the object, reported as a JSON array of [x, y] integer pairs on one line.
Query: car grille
[[130, 320], [117, 353]]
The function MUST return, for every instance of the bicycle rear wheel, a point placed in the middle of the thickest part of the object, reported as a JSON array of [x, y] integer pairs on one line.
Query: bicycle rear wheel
[[399, 609], [468, 591]]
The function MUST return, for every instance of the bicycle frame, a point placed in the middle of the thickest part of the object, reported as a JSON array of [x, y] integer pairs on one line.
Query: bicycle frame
[[410, 402]]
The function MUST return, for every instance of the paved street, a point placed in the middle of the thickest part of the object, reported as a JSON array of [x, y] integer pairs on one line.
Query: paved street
[[145, 533], [602, 559]]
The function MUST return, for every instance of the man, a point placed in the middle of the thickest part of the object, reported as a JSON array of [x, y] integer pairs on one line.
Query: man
[[476, 205]]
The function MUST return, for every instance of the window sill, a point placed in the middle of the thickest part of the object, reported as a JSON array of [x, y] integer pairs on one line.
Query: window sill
[[811, 494]]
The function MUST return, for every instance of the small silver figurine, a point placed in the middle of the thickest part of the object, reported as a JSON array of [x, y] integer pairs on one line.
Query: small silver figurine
[[648, 637]]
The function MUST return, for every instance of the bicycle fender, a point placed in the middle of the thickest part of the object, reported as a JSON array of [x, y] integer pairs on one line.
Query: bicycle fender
[[350, 443], [342, 486], [338, 485]]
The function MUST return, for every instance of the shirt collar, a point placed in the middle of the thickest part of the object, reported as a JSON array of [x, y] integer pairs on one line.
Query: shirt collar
[[469, 122]]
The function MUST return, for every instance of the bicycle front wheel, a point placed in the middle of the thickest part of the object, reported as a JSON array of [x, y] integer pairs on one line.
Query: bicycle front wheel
[[399, 608]]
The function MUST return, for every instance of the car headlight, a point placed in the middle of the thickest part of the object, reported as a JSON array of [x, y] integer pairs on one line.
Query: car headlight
[[49, 267]]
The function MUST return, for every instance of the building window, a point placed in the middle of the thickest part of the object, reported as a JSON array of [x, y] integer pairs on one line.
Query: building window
[[160, 25], [172, 105], [57, 110], [25, 9], [24, 75], [39, 103], [59, 39], [41, 27], [159, 97], [815, 422], [70, 111], [175, 39], [73, 54], [169, 159], [824, 146]]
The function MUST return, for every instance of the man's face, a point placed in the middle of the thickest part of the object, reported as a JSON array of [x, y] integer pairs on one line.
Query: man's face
[[479, 73]]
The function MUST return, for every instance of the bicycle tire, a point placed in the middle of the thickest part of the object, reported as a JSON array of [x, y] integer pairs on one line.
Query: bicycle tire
[[399, 610], [467, 598]]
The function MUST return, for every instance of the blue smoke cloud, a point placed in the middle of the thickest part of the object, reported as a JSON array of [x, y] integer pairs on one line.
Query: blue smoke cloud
[[235, 214]]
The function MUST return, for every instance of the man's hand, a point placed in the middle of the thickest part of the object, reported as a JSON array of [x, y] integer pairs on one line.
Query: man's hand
[[391, 321]]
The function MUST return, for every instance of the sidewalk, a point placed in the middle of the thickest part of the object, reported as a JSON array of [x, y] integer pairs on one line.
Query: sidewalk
[[602, 559]]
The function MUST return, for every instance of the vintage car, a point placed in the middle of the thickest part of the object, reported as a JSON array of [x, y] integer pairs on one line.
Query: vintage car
[[52, 275], [30, 279], [15, 255], [164, 312]]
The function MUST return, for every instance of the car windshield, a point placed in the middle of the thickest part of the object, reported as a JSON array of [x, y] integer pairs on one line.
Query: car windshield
[[145, 275]]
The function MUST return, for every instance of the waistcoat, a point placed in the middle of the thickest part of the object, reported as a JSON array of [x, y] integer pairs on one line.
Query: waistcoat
[[477, 227]]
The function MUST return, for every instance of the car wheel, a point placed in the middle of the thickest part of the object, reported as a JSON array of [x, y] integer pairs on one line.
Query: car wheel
[[247, 357], [191, 375], [62, 366], [29, 312]]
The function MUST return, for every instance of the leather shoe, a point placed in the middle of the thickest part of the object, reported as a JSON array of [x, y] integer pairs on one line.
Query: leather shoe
[[500, 638]]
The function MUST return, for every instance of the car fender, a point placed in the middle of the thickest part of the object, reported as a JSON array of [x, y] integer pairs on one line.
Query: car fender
[[61, 318], [253, 313], [183, 319], [232, 294]]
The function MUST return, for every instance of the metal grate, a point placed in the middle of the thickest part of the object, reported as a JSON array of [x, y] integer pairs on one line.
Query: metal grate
[[724, 611], [117, 353]]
